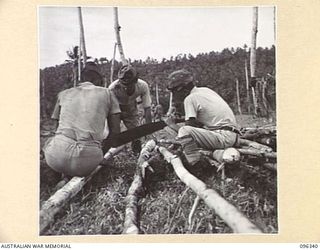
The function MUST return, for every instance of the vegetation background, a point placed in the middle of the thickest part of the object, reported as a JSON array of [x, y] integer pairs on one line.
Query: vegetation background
[[216, 70], [100, 206]]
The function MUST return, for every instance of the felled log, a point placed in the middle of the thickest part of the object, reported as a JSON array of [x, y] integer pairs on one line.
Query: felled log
[[130, 222], [230, 214], [254, 133], [271, 166], [257, 153], [270, 141], [228, 155], [53, 205], [244, 143]]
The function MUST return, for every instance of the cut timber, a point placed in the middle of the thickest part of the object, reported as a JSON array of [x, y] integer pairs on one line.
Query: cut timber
[[271, 166], [252, 133], [247, 147], [270, 141], [130, 222], [257, 153], [252, 144], [270, 129], [53, 205], [230, 214], [228, 155]]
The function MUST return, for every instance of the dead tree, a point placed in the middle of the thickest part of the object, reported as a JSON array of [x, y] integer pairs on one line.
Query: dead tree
[[238, 96], [82, 38], [117, 31], [253, 59], [157, 94], [247, 85]]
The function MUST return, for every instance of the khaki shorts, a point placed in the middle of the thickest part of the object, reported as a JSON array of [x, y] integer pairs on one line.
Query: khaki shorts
[[203, 138], [71, 157]]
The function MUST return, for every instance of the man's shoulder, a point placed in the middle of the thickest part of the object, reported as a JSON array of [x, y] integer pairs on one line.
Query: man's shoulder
[[66, 91], [114, 84], [142, 83], [207, 90], [142, 86]]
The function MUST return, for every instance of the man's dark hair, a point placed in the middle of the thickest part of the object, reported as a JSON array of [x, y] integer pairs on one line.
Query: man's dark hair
[[91, 74]]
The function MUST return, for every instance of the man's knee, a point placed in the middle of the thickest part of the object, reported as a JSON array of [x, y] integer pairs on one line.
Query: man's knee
[[185, 131]]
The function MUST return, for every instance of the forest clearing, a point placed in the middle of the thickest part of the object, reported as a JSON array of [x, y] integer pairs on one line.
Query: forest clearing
[[230, 190], [164, 208]]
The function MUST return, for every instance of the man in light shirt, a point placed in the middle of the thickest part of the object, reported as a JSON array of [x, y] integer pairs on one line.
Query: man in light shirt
[[127, 88], [82, 112], [209, 121]]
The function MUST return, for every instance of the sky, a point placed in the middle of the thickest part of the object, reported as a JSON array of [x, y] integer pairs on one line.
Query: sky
[[150, 32]]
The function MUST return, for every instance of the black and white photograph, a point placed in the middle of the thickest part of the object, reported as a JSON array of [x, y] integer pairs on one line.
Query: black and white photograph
[[157, 120]]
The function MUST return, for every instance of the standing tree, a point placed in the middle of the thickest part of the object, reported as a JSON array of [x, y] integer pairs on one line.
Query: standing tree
[[238, 96], [157, 94], [117, 28], [253, 60], [82, 39]]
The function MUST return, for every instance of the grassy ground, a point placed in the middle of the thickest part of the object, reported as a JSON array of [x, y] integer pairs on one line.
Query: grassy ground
[[99, 207]]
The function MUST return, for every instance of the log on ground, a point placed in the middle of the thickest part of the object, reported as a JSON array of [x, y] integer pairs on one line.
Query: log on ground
[[257, 153], [55, 203], [131, 222], [230, 214]]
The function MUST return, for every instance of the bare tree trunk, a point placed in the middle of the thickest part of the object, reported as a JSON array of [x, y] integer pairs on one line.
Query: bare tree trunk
[[253, 60], [54, 204], [79, 64], [117, 31], [238, 96], [255, 102], [112, 63], [157, 94], [247, 86], [257, 153], [83, 44], [230, 214]]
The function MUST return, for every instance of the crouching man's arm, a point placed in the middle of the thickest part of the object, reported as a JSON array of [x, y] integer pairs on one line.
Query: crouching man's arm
[[147, 115], [114, 129]]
